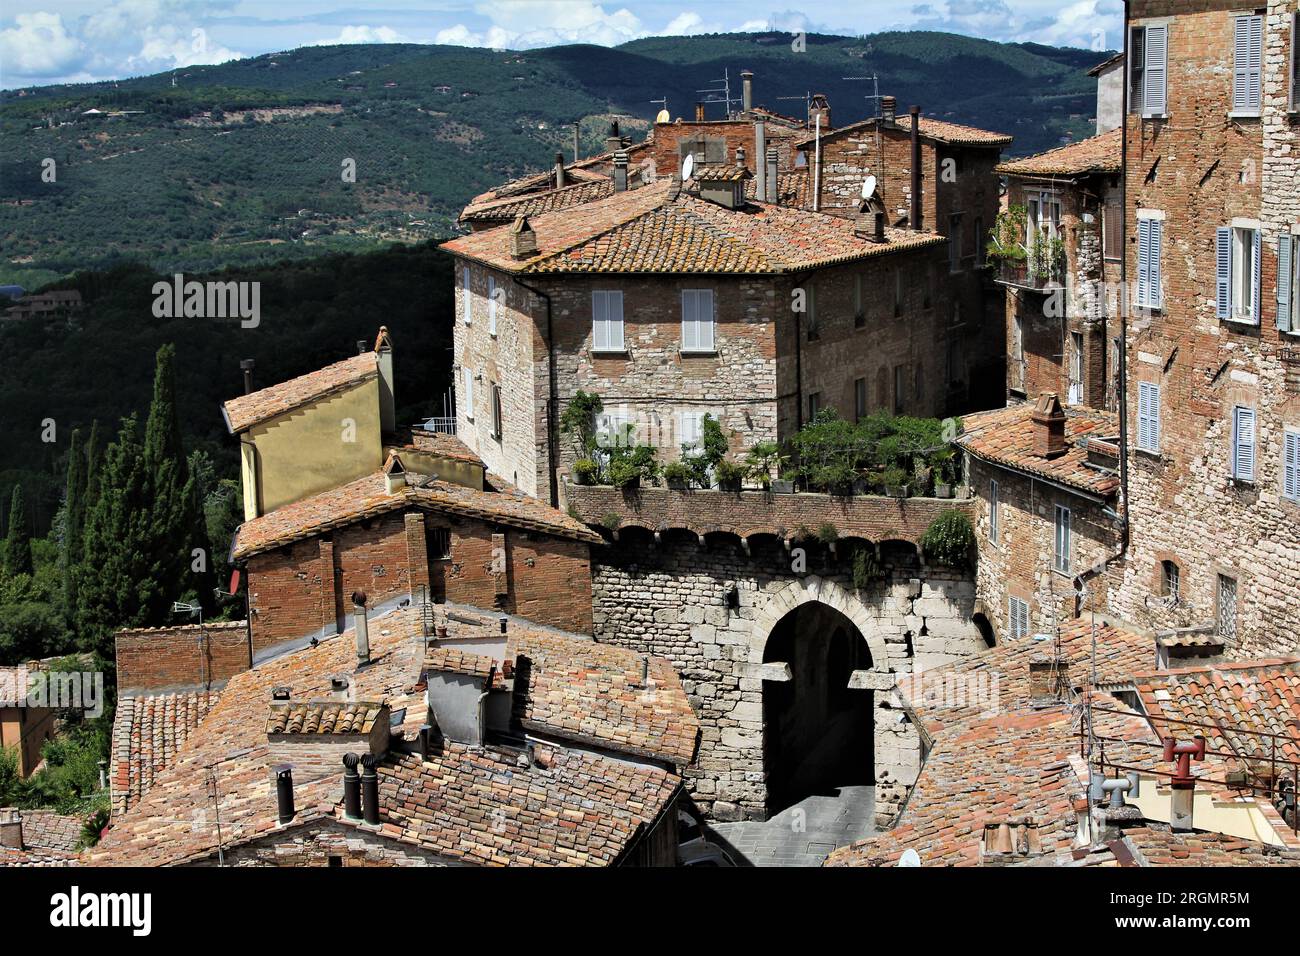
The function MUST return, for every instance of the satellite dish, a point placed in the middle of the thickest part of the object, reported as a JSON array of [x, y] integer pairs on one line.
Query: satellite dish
[[868, 187], [909, 858], [663, 117], [688, 166]]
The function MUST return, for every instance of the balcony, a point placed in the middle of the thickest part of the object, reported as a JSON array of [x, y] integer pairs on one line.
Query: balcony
[[1024, 274]]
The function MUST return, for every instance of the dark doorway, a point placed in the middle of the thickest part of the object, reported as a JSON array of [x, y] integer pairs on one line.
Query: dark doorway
[[818, 735]]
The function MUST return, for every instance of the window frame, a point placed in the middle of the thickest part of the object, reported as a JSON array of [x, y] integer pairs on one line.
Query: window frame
[[1062, 541], [608, 296], [1240, 473], [995, 526], [1148, 83], [955, 222], [1014, 632], [860, 399], [1074, 377], [814, 404], [466, 278], [1245, 268], [1288, 283], [1171, 576], [900, 388], [1149, 395], [1293, 96], [699, 295], [810, 313], [493, 303], [1242, 73], [498, 416]]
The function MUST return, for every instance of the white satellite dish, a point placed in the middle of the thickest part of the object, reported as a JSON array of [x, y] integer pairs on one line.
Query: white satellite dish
[[688, 166], [868, 187], [909, 858], [663, 117]]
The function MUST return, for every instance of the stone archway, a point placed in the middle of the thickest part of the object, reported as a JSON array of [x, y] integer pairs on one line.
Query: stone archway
[[825, 591]]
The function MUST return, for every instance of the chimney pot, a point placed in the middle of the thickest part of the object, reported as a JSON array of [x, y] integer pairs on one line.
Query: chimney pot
[[369, 790], [916, 168], [820, 107], [11, 829], [559, 170], [620, 171], [699, 112], [889, 109], [284, 792], [1048, 426], [362, 345], [247, 366], [747, 90], [351, 787], [362, 628], [740, 156], [772, 166]]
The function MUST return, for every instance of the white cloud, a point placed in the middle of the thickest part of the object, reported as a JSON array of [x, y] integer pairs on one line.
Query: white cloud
[[685, 24], [364, 34], [38, 46], [525, 24]]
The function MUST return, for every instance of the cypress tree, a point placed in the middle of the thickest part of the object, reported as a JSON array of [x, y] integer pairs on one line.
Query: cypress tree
[[74, 520], [18, 542]]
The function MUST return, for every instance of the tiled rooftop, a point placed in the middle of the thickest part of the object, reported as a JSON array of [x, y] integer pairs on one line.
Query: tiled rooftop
[[1004, 436], [1158, 846], [324, 717], [367, 497], [1097, 154], [148, 732], [248, 410], [505, 209], [942, 131], [660, 228]]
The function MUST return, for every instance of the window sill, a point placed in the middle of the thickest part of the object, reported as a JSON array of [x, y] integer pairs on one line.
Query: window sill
[[1248, 116], [1148, 453], [610, 353], [1237, 320], [698, 353]]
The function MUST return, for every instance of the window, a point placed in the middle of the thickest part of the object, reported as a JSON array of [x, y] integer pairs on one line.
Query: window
[[859, 316], [439, 543], [1291, 465], [1237, 278], [1018, 617], [1148, 437], [691, 429], [1247, 64], [467, 297], [697, 320], [496, 412], [1147, 52], [979, 240], [1243, 443], [954, 242], [859, 399], [1075, 395], [467, 378], [810, 303], [1169, 576], [1150, 238], [814, 405], [1062, 550], [993, 511], [1112, 237], [1226, 612], [606, 321], [1044, 217], [1295, 62], [492, 306], [1288, 283], [1017, 370], [900, 388]]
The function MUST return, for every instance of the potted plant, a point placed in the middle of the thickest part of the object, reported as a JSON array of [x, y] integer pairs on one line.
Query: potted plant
[[943, 461], [895, 480], [677, 474], [949, 541], [762, 460], [783, 485], [624, 474], [586, 471], [729, 474]]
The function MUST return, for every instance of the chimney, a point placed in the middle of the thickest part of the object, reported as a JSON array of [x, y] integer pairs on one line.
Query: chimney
[[369, 790], [362, 627], [284, 792], [362, 346], [1048, 681], [1048, 426], [740, 156], [384, 361], [11, 829], [351, 787], [916, 167], [613, 138], [699, 112], [247, 366], [559, 170], [760, 151], [523, 241], [869, 223], [889, 109], [771, 174], [820, 106], [620, 176], [746, 90]]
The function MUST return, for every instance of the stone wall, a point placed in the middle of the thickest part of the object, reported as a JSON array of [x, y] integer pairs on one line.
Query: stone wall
[[671, 599], [326, 843]]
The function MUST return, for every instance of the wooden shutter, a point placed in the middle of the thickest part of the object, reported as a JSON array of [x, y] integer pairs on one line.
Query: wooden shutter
[[1291, 465], [1247, 62], [1148, 416], [690, 322], [1257, 293], [1062, 538], [467, 376], [1295, 61], [1157, 44], [1137, 60], [1144, 262], [1223, 273], [1243, 444], [704, 319], [496, 411], [1285, 259], [1153, 264]]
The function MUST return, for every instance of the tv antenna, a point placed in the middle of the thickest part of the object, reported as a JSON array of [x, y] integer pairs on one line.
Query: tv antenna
[[875, 88], [807, 101], [720, 94]]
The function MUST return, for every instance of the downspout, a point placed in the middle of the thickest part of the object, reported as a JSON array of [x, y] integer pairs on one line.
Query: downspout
[[817, 167], [916, 168], [553, 465]]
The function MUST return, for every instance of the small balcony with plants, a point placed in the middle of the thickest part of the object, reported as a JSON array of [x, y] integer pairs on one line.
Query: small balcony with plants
[[1036, 264]]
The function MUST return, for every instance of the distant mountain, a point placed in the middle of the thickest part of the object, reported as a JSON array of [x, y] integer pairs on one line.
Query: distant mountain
[[244, 162]]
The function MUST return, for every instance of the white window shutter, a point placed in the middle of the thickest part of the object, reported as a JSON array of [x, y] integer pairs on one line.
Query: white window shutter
[[467, 375], [1223, 273], [1243, 440], [690, 328], [1153, 99], [706, 308], [1258, 295], [1291, 465], [1148, 416], [492, 306], [616, 321], [1285, 259]]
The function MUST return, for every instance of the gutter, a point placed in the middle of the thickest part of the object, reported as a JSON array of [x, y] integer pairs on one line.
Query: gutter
[[553, 476]]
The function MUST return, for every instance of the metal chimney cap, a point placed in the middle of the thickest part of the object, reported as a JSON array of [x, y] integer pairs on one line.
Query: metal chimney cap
[[247, 364], [359, 598], [350, 760]]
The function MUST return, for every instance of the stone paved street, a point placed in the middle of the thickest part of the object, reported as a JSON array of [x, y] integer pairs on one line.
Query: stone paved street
[[828, 822]]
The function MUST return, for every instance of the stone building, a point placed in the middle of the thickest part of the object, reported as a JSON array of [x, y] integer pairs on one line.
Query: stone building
[[1213, 394], [940, 177], [1064, 232], [670, 305]]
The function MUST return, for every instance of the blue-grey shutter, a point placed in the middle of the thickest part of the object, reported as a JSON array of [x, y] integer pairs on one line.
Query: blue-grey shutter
[[1259, 278], [1153, 98], [1285, 257], [1243, 443], [1291, 465], [1153, 266], [1247, 64], [1223, 273], [1144, 262]]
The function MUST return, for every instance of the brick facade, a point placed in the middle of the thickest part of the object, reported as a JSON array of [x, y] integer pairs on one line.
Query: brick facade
[[1203, 169], [190, 656]]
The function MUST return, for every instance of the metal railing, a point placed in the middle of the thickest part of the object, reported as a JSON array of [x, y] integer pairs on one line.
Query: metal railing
[[441, 425]]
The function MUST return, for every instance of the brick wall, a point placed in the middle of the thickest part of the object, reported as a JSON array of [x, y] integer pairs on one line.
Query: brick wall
[[326, 843], [734, 133], [152, 660], [1202, 169]]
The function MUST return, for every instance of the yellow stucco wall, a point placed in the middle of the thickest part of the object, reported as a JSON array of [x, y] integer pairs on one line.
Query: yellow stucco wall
[[308, 450], [448, 469], [1215, 813]]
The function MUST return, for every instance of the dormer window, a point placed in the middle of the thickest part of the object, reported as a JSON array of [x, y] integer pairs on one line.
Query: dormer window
[[723, 184]]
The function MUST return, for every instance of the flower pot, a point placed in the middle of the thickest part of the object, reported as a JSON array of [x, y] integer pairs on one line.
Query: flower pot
[[942, 491], [782, 486], [730, 484], [896, 491], [678, 484]]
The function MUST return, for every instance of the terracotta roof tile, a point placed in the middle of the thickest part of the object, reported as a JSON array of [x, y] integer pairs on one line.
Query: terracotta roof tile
[[1159, 846], [248, 410], [148, 733], [1004, 436], [941, 131], [533, 204], [1097, 154], [45, 830], [324, 717], [369, 496]]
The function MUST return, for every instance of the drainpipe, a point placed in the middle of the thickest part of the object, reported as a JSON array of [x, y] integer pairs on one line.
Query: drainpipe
[[916, 168], [552, 478], [817, 166]]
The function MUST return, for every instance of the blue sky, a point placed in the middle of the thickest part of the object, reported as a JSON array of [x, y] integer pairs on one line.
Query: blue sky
[[52, 41]]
